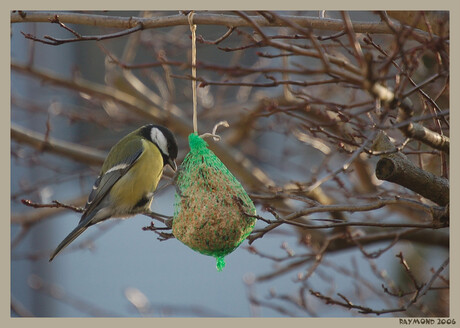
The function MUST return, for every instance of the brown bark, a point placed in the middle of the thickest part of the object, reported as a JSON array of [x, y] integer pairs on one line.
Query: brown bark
[[397, 168]]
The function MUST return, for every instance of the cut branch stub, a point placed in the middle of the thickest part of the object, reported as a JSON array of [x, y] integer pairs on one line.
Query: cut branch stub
[[405, 112], [397, 168], [419, 132], [400, 170]]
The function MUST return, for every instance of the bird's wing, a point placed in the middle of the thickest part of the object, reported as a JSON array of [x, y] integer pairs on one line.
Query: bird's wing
[[107, 179]]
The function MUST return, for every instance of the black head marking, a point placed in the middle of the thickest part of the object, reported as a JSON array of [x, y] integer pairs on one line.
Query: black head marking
[[163, 138]]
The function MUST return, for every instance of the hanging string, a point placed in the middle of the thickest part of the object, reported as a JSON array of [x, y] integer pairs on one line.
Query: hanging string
[[193, 30], [194, 96], [214, 134]]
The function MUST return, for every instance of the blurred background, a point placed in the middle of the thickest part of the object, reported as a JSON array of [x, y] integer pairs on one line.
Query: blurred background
[[300, 137]]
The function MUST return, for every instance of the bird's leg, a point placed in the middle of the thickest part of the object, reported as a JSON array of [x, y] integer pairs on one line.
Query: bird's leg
[[160, 217], [162, 235], [166, 220]]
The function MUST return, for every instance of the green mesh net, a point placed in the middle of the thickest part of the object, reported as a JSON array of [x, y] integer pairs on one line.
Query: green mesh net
[[211, 206]]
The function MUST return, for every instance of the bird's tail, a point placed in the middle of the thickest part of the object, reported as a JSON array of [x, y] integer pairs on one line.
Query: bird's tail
[[87, 220], [67, 240]]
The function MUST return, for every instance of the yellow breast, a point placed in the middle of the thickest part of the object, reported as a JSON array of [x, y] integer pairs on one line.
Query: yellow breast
[[140, 181]]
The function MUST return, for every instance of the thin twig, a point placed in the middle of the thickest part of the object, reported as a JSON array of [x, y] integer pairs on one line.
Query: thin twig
[[346, 165], [49, 40], [357, 51], [219, 40], [349, 305]]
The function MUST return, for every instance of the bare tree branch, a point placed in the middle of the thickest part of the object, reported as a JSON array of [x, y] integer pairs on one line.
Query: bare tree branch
[[67, 149], [200, 19], [397, 168]]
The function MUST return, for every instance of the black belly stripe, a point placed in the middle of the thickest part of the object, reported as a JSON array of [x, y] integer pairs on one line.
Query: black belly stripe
[[142, 202]]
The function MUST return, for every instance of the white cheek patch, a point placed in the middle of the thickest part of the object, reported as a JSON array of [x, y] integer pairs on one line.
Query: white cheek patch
[[158, 137], [117, 167]]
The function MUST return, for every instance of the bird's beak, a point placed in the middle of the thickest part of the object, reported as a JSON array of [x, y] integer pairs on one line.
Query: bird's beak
[[172, 163]]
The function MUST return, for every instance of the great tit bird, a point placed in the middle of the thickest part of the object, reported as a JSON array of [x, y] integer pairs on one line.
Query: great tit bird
[[128, 178]]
